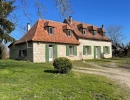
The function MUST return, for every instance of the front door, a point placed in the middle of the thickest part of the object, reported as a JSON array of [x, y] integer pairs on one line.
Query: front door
[[50, 53]]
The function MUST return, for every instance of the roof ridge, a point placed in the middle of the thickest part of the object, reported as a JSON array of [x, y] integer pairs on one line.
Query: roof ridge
[[85, 23], [53, 21]]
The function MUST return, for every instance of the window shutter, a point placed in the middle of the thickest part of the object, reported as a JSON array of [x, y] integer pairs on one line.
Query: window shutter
[[55, 51], [100, 52], [90, 49], [108, 50], [94, 52], [84, 50], [104, 49], [67, 50], [75, 50], [47, 53]]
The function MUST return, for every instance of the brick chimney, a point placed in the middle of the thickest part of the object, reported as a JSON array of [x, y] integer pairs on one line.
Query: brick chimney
[[70, 19], [28, 26]]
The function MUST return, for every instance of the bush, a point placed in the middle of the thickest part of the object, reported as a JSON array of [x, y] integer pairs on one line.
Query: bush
[[62, 65]]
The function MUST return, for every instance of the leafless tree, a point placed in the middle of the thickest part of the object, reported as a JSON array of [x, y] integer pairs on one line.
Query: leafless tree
[[63, 6], [115, 32]]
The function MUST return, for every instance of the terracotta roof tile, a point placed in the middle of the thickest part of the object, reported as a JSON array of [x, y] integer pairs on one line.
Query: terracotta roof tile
[[89, 35], [39, 33]]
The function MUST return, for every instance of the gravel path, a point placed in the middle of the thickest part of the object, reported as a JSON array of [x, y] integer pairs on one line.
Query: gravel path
[[121, 75]]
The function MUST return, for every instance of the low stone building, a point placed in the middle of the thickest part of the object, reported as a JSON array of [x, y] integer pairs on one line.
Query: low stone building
[[47, 40]]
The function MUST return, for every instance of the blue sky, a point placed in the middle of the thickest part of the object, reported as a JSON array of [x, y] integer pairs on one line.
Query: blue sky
[[96, 12]]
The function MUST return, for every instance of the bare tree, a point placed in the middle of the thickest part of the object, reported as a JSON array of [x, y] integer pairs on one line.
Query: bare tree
[[115, 32], [63, 6]]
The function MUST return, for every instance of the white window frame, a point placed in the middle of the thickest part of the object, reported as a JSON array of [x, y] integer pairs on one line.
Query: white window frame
[[51, 30], [84, 31], [69, 33]]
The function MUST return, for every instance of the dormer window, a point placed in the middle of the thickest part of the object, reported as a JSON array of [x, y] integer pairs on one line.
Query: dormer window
[[69, 33], [104, 33], [94, 32], [84, 31], [51, 30]]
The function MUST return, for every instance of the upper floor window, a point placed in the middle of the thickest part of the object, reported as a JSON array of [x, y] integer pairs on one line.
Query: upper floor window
[[69, 33], [94, 32], [84, 31], [51, 30], [104, 33]]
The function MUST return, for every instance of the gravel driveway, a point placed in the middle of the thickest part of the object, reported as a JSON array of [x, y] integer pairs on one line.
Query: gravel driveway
[[121, 75]]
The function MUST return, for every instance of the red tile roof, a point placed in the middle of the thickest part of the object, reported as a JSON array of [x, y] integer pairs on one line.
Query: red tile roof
[[76, 25], [39, 33]]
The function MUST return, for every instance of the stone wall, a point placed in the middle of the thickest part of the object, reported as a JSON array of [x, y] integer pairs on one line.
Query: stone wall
[[36, 50], [14, 51], [94, 43]]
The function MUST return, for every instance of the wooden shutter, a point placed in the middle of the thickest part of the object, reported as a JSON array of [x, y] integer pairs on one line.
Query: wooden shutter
[[94, 52], [104, 49], [47, 53], [100, 52], [75, 50], [67, 50], [90, 49], [84, 50], [55, 51], [108, 50]]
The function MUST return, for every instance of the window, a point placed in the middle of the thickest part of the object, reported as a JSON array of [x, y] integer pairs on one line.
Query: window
[[106, 49], [69, 33], [86, 50], [22, 53], [71, 50], [94, 32], [104, 33], [84, 31], [51, 30]]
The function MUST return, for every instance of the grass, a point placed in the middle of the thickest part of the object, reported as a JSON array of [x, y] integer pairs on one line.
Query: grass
[[119, 62], [37, 81]]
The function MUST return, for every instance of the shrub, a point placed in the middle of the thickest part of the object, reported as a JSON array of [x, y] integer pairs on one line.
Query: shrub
[[62, 65]]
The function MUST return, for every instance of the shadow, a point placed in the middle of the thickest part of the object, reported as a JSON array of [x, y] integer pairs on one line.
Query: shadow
[[50, 71], [125, 67]]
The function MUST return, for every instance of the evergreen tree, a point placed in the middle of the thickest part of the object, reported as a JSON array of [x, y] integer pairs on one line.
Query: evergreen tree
[[6, 27]]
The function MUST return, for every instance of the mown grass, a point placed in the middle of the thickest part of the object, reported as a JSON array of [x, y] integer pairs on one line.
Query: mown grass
[[108, 62], [28, 81]]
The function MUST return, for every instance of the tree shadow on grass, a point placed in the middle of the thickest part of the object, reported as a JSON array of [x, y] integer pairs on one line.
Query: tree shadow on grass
[[50, 71]]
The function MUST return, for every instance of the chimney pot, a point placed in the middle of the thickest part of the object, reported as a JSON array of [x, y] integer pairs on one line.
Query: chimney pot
[[28, 26], [70, 19], [102, 26]]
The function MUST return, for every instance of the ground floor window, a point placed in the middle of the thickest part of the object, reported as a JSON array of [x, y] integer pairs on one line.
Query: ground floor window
[[71, 50], [23, 53], [106, 49], [86, 50]]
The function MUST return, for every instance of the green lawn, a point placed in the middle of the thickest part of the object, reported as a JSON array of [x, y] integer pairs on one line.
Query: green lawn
[[28, 81], [119, 62]]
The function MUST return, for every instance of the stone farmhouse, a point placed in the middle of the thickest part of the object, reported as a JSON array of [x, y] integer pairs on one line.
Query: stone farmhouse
[[47, 40]]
